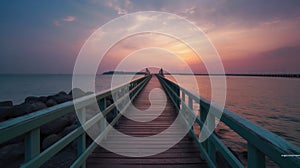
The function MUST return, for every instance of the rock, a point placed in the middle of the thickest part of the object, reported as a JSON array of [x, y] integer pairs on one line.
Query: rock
[[110, 117], [20, 110], [68, 129], [51, 102], [12, 155], [72, 118], [38, 106], [6, 103], [15, 140], [5, 112], [6, 107], [54, 126], [89, 93], [26, 108], [61, 97], [76, 92], [64, 158], [49, 140], [43, 99], [32, 99], [109, 101]]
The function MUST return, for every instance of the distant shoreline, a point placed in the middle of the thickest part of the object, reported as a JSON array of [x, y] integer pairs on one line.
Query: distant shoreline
[[142, 73], [251, 75]]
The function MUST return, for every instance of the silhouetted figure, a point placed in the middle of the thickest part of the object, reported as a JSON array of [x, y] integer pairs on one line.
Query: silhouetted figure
[[161, 72]]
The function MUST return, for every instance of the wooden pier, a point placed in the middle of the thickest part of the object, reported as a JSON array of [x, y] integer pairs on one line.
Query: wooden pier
[[183, 154], [189, 152]]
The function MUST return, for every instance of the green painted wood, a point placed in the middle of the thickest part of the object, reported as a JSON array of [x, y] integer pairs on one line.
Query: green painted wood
[[211, 149], [225, 152], [102, 106], [53, 149], [32, 144], [29, 125], [134, 92], [268, 143], [21, 125], [81, 144], [256, 159]]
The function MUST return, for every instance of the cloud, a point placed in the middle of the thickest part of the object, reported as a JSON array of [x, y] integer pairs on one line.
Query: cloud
[[69, 19], [58, 22], [119, 6]]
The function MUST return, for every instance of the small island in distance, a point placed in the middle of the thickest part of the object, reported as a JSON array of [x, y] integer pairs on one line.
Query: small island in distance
[[122, 73]]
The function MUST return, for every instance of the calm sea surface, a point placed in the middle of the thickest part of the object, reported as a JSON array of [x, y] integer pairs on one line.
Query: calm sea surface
[[272, 103]]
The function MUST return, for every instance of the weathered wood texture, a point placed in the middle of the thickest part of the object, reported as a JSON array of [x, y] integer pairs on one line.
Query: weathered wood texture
[[183, 154]]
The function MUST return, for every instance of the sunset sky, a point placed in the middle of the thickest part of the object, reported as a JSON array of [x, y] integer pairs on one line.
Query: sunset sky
[[251, 36]]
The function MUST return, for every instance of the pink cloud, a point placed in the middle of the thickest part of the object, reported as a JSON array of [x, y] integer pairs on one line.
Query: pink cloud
[[58, 22], [69, 19]]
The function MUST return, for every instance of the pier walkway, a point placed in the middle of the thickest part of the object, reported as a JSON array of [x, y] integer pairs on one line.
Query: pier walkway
[[153, 91], [183, 154]]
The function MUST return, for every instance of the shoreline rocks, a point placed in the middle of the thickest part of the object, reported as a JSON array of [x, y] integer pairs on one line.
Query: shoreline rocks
[[50, 132]]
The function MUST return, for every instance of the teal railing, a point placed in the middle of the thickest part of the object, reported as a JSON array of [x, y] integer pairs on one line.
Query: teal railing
[[29, 125], [260, 142]]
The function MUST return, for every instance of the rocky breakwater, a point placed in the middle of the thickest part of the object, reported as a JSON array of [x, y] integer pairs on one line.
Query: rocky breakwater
[[12, 152]]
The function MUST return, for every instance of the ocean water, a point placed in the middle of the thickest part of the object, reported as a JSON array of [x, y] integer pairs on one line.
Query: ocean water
[[272, 103], [17, 87]]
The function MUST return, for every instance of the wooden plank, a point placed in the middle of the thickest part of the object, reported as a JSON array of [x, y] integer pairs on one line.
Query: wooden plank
[[183, 154]]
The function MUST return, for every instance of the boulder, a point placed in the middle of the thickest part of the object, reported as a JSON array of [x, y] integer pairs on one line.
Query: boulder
[[32, 99], [5, 112], [51, 102], [43, 99], [72, 118], [26, 108], [89, 93], [61, 97], [20, 110], [38, 106], [68, 129], [54, 126], [12, 155], [6, 107], [76, 92], [49, 140], [6, 103]]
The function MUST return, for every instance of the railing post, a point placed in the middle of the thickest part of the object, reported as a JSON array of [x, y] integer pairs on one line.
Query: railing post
[[189, 118], [203, 115], [102, 106], [32, 144], [182, 109], [176, 89], [256, 159], [81, 146], [211, 147]]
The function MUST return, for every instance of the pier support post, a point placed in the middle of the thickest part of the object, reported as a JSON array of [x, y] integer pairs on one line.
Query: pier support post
[[102, 106], [210, 145], [256, 159], [189, 117], [81, 146], [203, 115], [32, 144]]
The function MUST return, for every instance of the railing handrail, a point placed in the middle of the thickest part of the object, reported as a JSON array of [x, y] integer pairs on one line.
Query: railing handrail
[[265, 141], [30, 124], [17, 126]]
